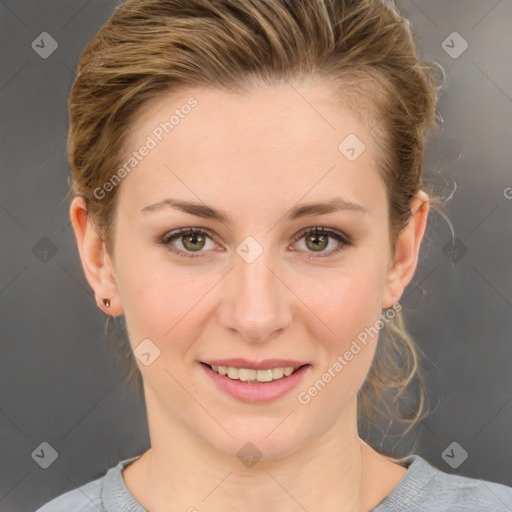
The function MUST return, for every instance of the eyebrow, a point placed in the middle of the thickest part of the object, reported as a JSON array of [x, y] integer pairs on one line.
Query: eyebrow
[[304, 210]]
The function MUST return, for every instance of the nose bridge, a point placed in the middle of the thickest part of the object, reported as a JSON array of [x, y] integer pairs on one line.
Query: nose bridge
[[258, 306], [255, 280]]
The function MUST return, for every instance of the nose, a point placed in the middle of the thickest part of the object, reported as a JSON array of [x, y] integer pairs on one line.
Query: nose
[[256, 303]]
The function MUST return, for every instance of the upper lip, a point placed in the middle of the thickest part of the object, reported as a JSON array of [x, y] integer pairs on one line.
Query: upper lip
[[239, 362]]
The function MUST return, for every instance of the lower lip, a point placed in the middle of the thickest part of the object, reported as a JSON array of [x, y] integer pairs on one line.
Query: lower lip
[[257, 392]]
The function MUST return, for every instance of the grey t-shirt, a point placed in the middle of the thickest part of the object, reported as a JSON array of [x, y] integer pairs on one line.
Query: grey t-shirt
[[424, 488]]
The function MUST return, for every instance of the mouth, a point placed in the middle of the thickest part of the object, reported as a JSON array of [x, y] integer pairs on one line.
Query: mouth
[[265, 384], [253, 375]]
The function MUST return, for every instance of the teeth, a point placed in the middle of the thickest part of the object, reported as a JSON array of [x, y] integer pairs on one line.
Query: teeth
[[247, 374]]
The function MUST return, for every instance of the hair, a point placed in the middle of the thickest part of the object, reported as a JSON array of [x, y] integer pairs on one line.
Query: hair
[[365, 50]]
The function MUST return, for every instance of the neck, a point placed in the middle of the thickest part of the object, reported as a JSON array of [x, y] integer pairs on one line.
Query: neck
[[332, 472]]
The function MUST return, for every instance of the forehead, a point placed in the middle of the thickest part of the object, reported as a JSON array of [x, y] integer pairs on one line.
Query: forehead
[[281, 142], [262, 112]]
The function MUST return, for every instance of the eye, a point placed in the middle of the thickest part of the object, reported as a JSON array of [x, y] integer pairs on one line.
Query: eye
[[193, 240], [318, 238]]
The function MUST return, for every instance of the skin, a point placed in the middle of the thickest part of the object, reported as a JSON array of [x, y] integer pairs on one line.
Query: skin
[[254, 156]]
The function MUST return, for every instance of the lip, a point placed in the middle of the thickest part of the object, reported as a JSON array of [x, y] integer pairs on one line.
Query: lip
[[257, 392], [240, 362]]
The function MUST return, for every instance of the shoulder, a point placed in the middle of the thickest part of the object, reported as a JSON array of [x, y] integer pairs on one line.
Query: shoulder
[[426, 488], [86, 498], [105, 494], [469, 494]]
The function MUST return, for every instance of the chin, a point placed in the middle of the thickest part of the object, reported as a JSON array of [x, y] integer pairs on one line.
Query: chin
[[269, 439]]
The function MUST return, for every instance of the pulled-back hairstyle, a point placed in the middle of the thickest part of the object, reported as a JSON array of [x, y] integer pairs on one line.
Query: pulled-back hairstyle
[[364, 49]]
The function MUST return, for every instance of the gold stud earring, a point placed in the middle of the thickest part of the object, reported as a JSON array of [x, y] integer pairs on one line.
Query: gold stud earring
[[106, 302]]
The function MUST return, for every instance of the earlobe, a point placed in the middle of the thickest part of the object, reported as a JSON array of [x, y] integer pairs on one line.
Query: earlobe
[[95, 260], [406, 255]]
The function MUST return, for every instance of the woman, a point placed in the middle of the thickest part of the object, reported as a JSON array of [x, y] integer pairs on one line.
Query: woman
[[248, 193]]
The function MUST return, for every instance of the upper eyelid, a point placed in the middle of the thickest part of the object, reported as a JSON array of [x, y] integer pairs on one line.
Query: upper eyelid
[[321, 229], [177, 233]]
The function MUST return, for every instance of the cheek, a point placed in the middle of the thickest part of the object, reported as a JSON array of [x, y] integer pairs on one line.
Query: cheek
[[346, 306], [346, 338], [161, 305], [345, 302]]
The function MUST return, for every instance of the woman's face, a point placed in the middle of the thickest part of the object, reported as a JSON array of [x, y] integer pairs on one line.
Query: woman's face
[[254, 285]]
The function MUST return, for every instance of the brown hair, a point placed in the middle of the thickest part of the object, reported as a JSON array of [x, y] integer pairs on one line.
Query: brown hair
[[365, 49]]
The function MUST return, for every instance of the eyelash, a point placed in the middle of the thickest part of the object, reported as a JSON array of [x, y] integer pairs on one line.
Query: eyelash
[[319, 231]]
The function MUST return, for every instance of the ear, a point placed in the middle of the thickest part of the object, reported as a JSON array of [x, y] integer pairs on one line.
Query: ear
[[403, 265], [96, 262]]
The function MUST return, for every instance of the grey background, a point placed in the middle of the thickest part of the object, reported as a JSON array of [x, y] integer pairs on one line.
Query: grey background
[[59, 384]]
